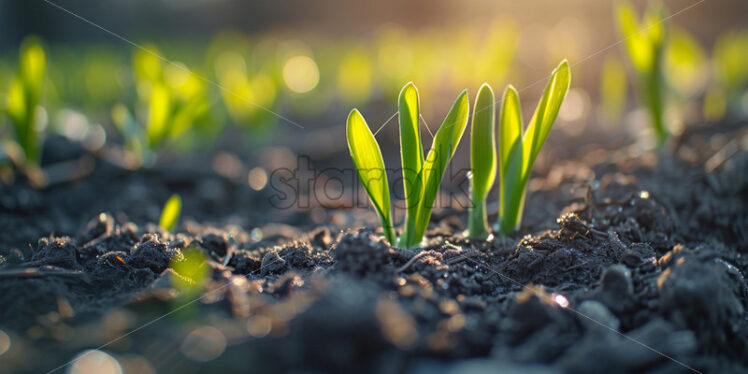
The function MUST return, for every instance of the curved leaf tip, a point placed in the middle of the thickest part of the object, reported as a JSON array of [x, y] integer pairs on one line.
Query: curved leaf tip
[[367, 158]]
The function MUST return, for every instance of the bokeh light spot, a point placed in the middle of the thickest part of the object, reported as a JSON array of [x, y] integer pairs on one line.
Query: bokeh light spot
[[259, 326], [203, 344], [575, 106], [258, 178], [560, 300], [300, 73], [256, 234], [227, 165], [4, 342], [136, 364], [94, 361]]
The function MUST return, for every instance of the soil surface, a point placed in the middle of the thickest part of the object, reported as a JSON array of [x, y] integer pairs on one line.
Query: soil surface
[[628, 261]]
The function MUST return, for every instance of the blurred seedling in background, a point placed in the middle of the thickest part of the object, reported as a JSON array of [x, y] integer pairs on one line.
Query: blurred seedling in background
[[518, 151], [421, 176], [687, 74], [482, 160], [728, 92], [171, 101], [170, 213], [190, 271], [355, 76], [612, 90], [686, 63], [27, 116], [645, 43], [88, 78], [248, 92]]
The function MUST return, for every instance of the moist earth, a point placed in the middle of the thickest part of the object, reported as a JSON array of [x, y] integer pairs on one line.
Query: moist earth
[[638, 267]]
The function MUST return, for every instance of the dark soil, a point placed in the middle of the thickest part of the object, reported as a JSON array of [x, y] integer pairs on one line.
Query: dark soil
[[627, 262]]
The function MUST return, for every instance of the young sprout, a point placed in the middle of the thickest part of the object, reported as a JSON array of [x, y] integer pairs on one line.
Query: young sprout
[[517, 152], [170, 213], [174, 100], [247, 91], [730, 71], [482, 160], [421, 176], [645, 43], [24, 94], [191, 271], [686, 63], [612, 89]]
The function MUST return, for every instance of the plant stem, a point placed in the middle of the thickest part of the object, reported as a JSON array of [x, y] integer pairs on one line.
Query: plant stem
[[478, 220], [389, 232], [511, 209], [654, 95], [402, 240]]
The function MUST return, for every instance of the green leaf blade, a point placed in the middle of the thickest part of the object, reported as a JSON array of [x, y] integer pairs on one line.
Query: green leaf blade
[[446, 140], [545, 114], [645, 43], [33, 66], [634, 39], [24, 95], [411, 153], [367, 157], [17, 108], [160, 108], [511, 163], [483, 142], [170, 213], [482, 160]]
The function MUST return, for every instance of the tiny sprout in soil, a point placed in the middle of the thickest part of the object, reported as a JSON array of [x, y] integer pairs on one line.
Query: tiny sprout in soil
[[170, 213]]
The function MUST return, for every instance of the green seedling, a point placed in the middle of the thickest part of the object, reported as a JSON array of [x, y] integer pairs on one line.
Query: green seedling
[[686, 61], [172, 100], [729, 57], [170, 213], [482, 160], [645, 43], [24, 94], [612, 89], [355, 76], [517, 151], [421, 176], [247, 90], [191, 270]]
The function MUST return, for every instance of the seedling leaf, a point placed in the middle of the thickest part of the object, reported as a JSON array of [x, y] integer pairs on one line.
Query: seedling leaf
[[545, 114], [24, 94], [367, 157], [645, 45], [191, 271], [483, 142], [510, 162], [411, 153], [170, 213], [482, 159], [160, 112], [446, 140]]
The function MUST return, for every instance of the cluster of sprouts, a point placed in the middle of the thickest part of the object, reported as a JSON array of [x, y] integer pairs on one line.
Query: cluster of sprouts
[[422, 175]]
